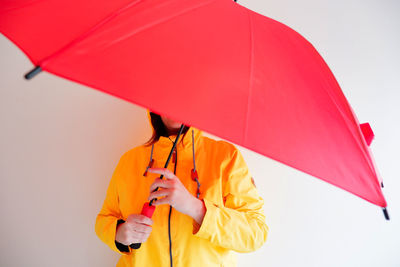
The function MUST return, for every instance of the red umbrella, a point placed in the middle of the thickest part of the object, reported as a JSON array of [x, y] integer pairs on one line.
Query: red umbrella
[[213, 64]]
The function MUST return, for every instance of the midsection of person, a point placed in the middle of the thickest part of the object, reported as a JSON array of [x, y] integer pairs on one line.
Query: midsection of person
[[133, 191]]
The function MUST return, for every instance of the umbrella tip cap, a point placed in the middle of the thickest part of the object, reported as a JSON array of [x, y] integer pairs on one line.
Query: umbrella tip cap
[[33, 73], [385, 213]]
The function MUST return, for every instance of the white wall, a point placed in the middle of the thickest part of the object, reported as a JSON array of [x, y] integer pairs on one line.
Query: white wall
[[61, 141]]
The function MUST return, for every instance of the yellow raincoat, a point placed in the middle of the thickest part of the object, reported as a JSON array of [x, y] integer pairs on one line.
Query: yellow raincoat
[[234, 218]]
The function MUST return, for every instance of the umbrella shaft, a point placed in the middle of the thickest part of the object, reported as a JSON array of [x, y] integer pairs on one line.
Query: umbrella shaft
[[169, 158]]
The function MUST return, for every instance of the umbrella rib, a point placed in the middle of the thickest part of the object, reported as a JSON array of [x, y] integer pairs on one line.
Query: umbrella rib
[[91, 30], [156, 23], [349, 121], [18, 5], [105, 21], [250, 86]]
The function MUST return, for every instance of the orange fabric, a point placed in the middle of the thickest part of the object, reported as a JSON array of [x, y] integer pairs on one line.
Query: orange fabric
[[234, 220]]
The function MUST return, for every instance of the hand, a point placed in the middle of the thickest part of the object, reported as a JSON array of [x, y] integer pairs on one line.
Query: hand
[[175, 194], [136, 229]]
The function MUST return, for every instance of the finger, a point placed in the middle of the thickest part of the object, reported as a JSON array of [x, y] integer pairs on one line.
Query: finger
[[140, 237], [139, 218], [141, 228], [160, 183], [160, 193], [167, 173], [165, 200]]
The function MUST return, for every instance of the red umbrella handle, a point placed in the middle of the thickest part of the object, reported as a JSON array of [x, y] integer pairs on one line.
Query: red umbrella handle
[[147, 211]]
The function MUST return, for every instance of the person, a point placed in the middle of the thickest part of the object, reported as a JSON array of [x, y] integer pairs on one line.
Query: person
[[207, 204]]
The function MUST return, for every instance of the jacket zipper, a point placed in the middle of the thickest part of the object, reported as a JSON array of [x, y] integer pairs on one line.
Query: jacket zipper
[[169, 236], [169, 215]]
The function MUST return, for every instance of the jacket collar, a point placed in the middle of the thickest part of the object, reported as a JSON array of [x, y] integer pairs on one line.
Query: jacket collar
[[184, 143], [165, 142]]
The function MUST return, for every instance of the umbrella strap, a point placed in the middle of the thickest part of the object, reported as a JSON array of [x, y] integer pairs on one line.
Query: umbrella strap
[[150, 162], [195, 177]]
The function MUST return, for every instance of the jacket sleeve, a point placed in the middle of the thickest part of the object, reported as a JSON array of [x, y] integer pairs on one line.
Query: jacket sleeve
[[110, 214], [239, 225]]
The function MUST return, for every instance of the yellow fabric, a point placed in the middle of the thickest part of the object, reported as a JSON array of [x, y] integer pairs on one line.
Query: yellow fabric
[[234, 220]]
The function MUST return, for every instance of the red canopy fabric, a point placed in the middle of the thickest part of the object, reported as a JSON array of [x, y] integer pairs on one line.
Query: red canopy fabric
[[213, 64]]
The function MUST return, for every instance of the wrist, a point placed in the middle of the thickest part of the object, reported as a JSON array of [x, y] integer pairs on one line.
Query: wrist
[[119, 223], [120, 246], [198, 211]]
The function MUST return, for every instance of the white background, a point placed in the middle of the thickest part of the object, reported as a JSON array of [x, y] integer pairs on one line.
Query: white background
[[61, 141]]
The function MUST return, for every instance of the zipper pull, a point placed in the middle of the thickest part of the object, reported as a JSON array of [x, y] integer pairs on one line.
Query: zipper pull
[[195, 178]]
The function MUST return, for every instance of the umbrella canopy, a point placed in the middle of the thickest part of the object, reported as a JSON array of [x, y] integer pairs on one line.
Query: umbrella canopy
[[213, 64]]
